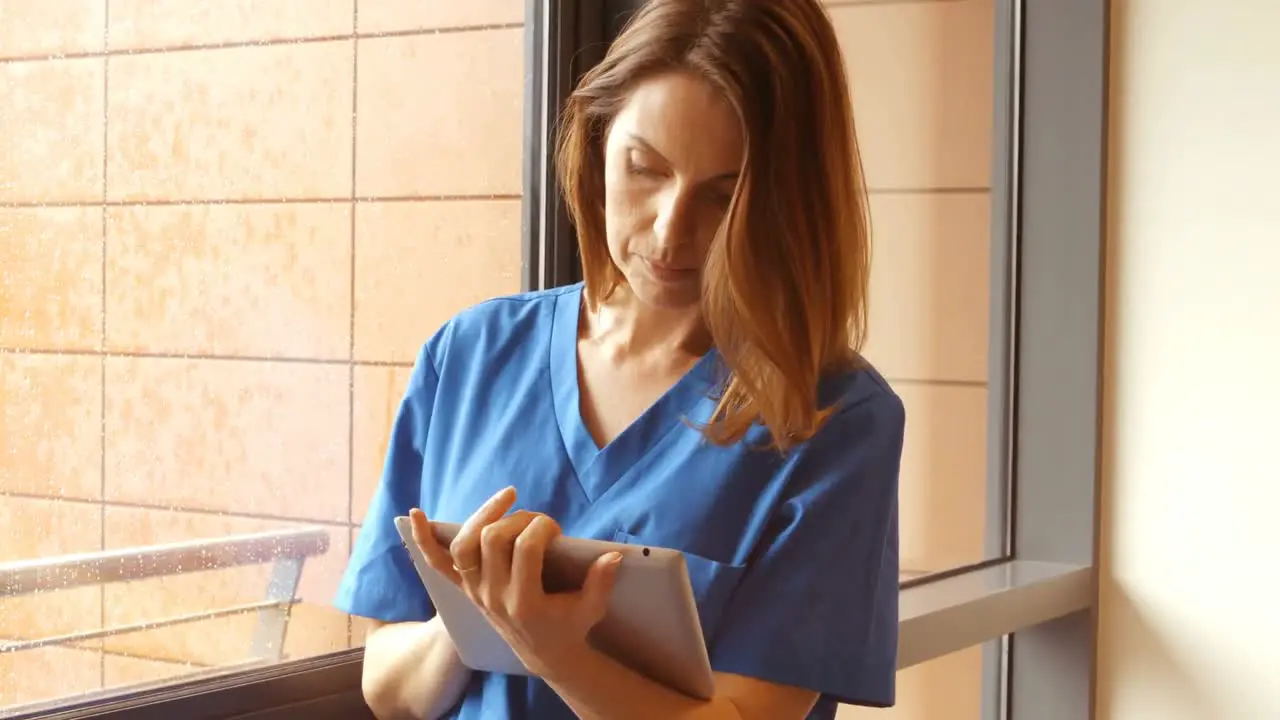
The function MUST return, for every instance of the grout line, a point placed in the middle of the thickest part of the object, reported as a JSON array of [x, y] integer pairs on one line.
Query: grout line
[[351, 327], [262, 201], [492, 197], [351, 628], [190, 666], [128, 505], [102, 361], [353, 363], [854, 3], [930, 190], [241, 44], [926, 382], [287, 360]]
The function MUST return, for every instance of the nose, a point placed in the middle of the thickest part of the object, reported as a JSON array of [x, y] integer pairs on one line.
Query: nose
[[671, 224]]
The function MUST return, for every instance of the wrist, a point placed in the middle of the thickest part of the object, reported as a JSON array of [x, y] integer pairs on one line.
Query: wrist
[[440, 634], [568, 662]]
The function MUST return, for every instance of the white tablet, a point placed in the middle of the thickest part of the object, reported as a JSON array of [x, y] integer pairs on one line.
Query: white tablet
[[651, 624]]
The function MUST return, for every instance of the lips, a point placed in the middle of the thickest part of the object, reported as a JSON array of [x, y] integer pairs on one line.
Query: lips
[[668, 273]]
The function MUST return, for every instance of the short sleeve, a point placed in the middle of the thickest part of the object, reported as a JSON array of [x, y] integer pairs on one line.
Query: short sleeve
[[380, 581], [817, 606]]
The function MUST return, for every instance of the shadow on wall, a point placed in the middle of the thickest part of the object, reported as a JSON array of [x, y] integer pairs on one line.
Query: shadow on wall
[[1157, 682]]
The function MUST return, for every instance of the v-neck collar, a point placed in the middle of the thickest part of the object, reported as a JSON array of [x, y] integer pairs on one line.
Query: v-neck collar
[[598, 468]]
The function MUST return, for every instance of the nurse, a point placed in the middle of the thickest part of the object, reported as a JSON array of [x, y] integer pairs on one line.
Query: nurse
[[701, 390]]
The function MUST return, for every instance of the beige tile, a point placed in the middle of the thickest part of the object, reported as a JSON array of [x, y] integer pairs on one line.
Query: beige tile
[[921, 76], [255, 280], [32, 28], [50, 426], [245, 436], [360, 626], [178, 23], [51, 131], [32, 529], [51, 278], [395, 15], [435, 257], [943, 495], [440, 114], [360, 629], [947, 688], [222, 642], [930, 287], [120, 671], [314, 628], [257, 122], [47, 674], [378, 391]]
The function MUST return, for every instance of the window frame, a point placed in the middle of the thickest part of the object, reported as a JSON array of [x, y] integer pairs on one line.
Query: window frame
[[1056, 445], [1049, 189]]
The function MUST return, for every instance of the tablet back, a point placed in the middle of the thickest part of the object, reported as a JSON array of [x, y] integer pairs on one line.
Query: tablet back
[[651, 624]]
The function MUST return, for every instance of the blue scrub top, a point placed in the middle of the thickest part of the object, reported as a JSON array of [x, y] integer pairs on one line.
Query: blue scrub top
[[793, 558]]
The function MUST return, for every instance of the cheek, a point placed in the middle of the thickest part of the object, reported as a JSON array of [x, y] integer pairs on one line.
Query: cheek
[[708, 225], [624, 217]]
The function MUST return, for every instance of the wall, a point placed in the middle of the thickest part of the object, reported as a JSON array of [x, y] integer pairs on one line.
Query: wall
[[1188, 626], [224, 230]]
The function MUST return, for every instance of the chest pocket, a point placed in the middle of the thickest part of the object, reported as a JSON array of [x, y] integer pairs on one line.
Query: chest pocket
[[713, 583]]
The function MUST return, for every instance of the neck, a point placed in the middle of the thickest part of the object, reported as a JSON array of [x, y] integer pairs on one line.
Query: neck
[[626, 325]]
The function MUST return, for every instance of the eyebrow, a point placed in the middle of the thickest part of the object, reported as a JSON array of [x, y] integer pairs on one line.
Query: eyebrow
[[732, 175]]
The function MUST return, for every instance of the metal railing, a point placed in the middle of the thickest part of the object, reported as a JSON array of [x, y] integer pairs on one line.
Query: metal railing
[[286, 550]]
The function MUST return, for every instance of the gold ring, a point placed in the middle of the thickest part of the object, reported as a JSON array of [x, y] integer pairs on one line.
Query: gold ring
[[464, 571]]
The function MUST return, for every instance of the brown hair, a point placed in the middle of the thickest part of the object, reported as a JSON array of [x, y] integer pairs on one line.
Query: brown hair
[[785, 282]]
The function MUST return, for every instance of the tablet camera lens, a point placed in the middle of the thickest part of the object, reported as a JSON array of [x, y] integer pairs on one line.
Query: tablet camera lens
[[646, 552]]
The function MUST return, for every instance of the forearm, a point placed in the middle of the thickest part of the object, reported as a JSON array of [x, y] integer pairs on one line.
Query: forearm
[[597, 687], [412, 671]]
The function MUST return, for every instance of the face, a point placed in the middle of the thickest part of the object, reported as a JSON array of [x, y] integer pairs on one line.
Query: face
[[672, 159]]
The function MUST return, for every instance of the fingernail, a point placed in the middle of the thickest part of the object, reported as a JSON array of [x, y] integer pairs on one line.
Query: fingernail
[[613, 558]]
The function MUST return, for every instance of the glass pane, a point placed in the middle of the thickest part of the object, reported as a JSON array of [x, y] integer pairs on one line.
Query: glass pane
[[225, 229], [921, 75], [946, 688], [922, 79]]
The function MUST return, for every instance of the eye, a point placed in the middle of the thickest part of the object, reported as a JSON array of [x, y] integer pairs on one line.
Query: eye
[[638, 170], [718, 197]]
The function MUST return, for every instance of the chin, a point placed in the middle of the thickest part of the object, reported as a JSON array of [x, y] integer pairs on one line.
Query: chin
[[680, 295]]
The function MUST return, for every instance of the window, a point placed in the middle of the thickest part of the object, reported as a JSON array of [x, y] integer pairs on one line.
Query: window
[[225, 228]]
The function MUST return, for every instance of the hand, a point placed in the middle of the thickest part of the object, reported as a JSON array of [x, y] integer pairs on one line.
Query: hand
[[497, 560]]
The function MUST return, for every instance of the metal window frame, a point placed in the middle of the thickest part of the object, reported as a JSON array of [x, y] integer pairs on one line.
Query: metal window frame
[[1032, 608], [562, 40], [1056, 444]]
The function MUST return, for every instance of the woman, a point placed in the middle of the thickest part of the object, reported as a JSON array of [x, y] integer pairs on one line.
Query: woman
[[701, 390]]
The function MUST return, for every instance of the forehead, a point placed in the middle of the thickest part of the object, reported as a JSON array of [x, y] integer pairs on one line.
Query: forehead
[[685, 119]]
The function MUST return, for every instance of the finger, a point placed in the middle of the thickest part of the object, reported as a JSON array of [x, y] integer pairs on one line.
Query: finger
[[465, 548], [528, 556], [437, 556], [598, 587], [496, 541]]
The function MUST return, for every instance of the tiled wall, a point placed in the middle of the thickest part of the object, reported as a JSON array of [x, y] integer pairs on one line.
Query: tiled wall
[[922, 75], [225, 228]]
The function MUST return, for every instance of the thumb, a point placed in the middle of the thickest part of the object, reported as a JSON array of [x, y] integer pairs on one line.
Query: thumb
[[598, 586]]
